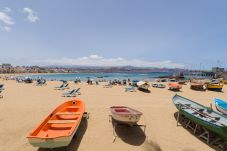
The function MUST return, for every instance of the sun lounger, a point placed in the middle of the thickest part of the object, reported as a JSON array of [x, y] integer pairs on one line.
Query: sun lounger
[[41, 82], [107, 86], [78, 91], [66, 86], [130, 89], [69, 93], [19, 80], [62, 87], [72, 93]]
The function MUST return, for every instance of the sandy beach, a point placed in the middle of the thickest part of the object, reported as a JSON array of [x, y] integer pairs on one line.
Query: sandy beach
[[25, 105]]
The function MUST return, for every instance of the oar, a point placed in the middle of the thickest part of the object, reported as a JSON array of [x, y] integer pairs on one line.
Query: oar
[[206, 115]]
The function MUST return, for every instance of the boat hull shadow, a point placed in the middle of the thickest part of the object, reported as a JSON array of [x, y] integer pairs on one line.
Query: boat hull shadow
[[130, 134]]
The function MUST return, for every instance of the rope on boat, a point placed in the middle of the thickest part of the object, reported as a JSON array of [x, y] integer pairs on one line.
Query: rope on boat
[[203, 114]]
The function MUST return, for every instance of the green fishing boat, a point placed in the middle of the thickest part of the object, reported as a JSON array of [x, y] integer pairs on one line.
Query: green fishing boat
[[202, 115]]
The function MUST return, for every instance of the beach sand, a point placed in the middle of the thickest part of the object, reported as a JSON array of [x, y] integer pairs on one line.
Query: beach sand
[[24, 106]]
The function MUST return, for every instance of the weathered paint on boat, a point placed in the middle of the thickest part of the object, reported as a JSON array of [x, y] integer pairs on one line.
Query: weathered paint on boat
[[158, 85], [215, 87], [59, 127], [224, 81], [174, 86], [219, 128], [198, 86], [143, 85], [221, 106], [125, 114]]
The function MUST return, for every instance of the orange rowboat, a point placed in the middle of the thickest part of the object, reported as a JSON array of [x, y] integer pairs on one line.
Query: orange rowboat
[[59, 127], [174, 86]]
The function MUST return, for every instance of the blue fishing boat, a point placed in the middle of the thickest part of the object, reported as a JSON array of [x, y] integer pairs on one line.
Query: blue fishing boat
[[221, 106]]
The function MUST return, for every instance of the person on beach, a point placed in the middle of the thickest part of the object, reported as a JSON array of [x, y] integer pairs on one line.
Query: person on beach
[[129, 81]]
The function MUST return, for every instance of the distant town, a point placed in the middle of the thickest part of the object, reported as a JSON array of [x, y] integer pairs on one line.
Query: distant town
[[6, 68]]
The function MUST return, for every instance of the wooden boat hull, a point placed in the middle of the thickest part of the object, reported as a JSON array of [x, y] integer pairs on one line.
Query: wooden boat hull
[[220, 109], [143, 85], [182, 82], [224, 81], [158, 85], [201, 88], [221, 106], [174, 86], [52, 143], [198, 86], [59, 127], [219, 129], [215, 87], [130, 118]]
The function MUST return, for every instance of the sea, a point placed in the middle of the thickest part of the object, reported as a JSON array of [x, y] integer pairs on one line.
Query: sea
[[150, 76]]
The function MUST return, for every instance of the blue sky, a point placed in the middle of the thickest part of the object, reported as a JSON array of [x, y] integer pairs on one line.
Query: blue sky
[[176, 33]]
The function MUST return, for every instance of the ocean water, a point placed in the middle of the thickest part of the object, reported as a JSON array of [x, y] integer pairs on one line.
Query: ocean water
[[107, 76]]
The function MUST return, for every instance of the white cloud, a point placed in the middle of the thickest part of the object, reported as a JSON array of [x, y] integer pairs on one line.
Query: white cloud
[[96, 60], [7, 10], [4, 18], [5, 21], [32, 15], [95, 57]]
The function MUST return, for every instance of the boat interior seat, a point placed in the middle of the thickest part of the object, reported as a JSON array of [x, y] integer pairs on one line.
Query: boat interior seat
[[217, 118], [198, 111], [183, 105], [201, 110], [61, 121], [212, 121], [61, 126], [73, 107], [68, 113], [68, 117], [187, 104], [194, 113]]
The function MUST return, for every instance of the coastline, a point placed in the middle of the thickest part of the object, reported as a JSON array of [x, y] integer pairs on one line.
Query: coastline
[[84, 76]]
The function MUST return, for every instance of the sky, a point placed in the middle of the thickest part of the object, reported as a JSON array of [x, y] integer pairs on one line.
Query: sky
[[189, 34]]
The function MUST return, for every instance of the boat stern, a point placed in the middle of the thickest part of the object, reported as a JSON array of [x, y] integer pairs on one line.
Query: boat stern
[[49, 142]]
